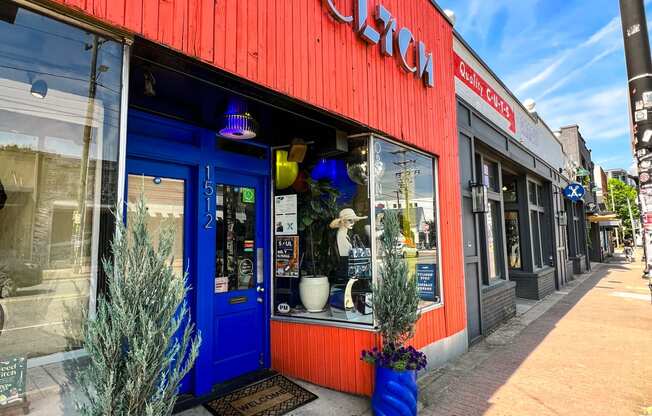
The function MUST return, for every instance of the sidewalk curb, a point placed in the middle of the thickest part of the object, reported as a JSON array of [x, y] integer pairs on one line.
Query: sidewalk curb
[[436, 382]]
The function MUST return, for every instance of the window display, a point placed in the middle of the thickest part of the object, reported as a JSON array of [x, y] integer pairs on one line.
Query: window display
[[322, 235], [405, 183], [325, 266]]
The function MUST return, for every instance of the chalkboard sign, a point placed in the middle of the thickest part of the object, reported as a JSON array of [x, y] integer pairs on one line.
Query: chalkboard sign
[[426, 281], [13, 372], [287, 256]]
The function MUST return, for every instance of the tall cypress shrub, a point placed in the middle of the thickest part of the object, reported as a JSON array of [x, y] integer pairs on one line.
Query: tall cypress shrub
[[396, 295], [141, 342]]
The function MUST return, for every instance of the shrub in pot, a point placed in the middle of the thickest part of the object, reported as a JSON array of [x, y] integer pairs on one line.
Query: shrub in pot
[[395, 305], [317, 207]]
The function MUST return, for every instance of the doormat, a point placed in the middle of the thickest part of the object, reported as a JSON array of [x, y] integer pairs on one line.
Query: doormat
[[274, 396]]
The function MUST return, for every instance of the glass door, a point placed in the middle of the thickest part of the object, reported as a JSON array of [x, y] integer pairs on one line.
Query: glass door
[[239, 298], [167, 189]]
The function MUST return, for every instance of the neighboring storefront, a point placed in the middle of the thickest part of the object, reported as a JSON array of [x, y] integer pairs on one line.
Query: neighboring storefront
[[514, 243], [581, 170], [236, 120]]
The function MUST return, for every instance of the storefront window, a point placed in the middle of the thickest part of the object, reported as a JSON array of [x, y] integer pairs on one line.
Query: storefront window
[[59, 120], [322, 235], [405, 184], [510, 189], [494, 257], [490, 175], [513, 238], [536, 238]]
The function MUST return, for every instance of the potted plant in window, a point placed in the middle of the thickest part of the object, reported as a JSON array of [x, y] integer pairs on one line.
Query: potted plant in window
[[317, 207], [395, 305]]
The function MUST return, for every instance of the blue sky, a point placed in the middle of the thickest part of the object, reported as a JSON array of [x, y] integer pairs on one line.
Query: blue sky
[[567, 55]]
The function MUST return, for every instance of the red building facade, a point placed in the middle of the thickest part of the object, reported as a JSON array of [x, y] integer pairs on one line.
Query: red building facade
[[389, 71]]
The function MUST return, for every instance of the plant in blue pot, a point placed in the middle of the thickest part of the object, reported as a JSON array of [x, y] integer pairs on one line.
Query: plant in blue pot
[[396, 309]]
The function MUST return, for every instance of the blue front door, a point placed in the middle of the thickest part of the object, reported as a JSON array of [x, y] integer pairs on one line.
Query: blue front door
[[223, 198], [239, 291]]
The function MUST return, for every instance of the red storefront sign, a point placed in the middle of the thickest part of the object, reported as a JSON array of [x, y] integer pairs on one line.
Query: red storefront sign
[[473, 80]]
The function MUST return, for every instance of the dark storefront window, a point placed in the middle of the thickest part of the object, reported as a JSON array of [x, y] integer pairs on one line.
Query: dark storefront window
[[510, 188], [59, 121], [538, 224], [490, 175], [494, 241], [513, 237]]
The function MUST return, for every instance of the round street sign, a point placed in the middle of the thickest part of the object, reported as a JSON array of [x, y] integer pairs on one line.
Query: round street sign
[[574, 192]]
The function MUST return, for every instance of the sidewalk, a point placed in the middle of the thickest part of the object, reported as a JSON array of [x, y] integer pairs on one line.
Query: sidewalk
[[584, 350]]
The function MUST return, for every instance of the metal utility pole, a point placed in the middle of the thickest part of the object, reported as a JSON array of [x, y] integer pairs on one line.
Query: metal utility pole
[[639, 75], [631, 220], [613, 208]]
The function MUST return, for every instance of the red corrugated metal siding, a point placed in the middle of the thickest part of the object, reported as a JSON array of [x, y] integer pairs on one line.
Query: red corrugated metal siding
[[296, 48]]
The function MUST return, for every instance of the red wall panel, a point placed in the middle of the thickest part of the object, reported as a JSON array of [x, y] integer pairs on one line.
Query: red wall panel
[[296, 48]]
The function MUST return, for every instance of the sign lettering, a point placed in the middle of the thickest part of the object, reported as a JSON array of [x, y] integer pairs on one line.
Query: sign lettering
[[388, 37], [475, 82]]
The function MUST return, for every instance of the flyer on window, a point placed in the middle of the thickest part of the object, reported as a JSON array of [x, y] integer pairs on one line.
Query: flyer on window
[[285, 215], [287, 256]]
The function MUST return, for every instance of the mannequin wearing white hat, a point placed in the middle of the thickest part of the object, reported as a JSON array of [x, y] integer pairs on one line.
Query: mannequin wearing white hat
[[343, 224]]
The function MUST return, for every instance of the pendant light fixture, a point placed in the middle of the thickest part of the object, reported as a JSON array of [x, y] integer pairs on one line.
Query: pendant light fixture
[[237, 123]]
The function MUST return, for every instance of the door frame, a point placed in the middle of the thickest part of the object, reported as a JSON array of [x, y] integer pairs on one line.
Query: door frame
[[183, 144]]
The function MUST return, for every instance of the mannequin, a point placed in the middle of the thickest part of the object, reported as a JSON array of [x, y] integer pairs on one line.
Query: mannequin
[[343, 224]]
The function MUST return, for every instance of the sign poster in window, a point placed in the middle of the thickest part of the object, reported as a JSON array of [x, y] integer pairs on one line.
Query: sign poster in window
[[426, 281], [285, 215], [287, 256], [12, 382]]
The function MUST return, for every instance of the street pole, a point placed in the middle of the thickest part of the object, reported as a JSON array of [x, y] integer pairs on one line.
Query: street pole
[[639, 75], [613, 208], [631, 220]]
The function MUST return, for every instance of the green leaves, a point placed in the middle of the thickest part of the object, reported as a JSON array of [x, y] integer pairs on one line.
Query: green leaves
[[616, 200], [141, 343], [317, 207]]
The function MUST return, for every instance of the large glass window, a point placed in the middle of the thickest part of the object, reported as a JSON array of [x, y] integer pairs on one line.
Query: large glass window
[[513, 237], [59, 120], [494, 252], [405, 183], [538, 223], [322, 234]]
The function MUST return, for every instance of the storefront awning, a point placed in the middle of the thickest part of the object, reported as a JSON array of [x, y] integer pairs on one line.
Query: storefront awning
[[606, 220]]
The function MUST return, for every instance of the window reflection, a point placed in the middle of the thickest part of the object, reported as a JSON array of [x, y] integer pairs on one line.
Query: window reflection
[[405, 185], [59, 113]]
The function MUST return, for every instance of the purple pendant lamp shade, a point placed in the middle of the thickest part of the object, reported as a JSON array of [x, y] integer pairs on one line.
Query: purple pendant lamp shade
[[237, 123]]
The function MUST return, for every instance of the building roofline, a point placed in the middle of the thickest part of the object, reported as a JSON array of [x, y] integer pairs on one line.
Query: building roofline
[[441, 11]]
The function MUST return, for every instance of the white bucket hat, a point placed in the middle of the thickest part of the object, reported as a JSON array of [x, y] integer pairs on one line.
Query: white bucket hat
[[346, 214]]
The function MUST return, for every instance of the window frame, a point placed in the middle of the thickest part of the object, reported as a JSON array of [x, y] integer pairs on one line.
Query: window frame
[[495, 196], [537, 207]]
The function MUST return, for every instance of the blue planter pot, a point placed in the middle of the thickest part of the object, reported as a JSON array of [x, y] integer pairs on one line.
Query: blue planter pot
[[395, 393]]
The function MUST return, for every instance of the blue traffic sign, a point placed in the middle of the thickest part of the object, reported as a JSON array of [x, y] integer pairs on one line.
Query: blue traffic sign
[[574, 192]]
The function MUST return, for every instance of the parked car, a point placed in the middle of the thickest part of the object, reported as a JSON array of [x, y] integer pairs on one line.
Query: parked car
[[19, 274]]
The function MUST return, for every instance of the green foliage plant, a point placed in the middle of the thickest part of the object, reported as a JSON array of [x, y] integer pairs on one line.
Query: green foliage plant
[[141, 342], [619, 193], [395, 295], [317, 208]]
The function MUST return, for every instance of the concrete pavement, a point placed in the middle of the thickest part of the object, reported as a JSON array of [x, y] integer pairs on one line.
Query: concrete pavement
[[584, 350]]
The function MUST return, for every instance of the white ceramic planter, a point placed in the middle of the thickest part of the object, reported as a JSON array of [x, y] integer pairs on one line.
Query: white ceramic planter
[[314, 292]]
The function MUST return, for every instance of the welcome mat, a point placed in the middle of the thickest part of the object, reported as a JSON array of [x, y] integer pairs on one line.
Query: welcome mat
[[274, 396]]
